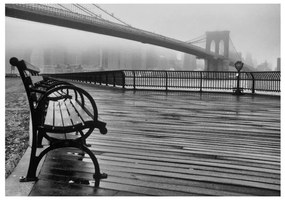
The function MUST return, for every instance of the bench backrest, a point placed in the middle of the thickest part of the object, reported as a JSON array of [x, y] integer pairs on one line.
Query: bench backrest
[[29, 75], [57, 101], [36, 79]]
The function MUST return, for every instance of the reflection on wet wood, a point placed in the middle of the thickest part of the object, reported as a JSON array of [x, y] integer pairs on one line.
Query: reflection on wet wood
[[174, 144]]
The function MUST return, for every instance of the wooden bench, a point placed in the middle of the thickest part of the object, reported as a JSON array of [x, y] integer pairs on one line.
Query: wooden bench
[[62, 113]]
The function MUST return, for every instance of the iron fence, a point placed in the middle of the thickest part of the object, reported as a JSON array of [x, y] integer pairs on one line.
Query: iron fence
[[180, 80]]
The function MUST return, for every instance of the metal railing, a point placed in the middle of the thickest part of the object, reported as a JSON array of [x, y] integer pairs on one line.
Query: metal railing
[[179, 80], [113, 78]]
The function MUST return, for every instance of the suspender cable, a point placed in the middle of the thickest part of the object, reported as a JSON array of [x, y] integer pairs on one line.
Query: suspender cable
[[85, 10], [65, 8], [111, 15], [196, 38], [236, 52]]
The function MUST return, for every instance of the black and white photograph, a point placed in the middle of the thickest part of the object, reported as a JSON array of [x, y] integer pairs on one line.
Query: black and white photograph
[[142, 99]]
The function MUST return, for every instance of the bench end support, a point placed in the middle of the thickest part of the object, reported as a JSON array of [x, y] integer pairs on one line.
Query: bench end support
[[27, 179]]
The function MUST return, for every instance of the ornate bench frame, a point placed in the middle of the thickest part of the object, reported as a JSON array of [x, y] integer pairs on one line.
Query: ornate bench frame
[[50, 99]]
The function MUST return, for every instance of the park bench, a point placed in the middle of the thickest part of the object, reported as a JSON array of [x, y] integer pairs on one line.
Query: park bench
[[62, 113]]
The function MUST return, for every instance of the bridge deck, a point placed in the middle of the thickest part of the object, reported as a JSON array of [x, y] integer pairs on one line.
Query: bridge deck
[[174, 144]]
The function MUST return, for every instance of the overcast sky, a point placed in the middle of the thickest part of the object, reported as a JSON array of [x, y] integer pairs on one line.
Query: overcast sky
[[254, 28]]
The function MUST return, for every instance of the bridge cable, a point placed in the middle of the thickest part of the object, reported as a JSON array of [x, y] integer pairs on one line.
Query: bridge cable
[[65, 8], [196, 38], [112, 15], [85, 10], [191, 41], [197, 41], [236, 52], [201, 36]]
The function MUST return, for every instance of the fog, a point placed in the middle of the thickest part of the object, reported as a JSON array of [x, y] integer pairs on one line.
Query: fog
[[254, 29]]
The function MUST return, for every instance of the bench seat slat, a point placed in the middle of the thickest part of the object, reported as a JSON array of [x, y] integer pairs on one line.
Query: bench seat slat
[[56, 94], [65, 115], [72, 112], [57, 115], [61, 92], [81, 111], [49, 115], [52, 95]]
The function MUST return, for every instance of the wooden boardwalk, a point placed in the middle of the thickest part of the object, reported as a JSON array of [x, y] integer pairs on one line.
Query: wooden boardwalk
[[174, 144]]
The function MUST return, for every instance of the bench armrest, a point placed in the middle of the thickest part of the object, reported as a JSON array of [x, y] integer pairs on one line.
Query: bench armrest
[[101, 126], [37, 90], [58, 83]]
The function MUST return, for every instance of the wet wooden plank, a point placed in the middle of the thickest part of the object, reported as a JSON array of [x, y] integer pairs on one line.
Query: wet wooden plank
[[65, 115], [72, 112], [55, 171], [179, 144], [49, 119], [82, 113], [57, 188]]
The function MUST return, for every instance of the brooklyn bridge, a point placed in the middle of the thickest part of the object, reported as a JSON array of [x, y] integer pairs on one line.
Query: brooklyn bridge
[[165, 128]]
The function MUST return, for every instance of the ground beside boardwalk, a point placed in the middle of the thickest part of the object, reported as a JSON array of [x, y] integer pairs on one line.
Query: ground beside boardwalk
[[16, 123]]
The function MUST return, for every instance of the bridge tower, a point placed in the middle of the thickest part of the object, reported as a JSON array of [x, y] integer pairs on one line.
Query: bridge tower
[[218, 42]]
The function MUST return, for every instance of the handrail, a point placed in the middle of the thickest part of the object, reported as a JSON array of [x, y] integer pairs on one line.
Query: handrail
[[250, 82]]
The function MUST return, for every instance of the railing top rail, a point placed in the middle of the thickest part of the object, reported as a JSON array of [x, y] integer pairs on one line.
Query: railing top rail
[[198, 80], [265, 73]]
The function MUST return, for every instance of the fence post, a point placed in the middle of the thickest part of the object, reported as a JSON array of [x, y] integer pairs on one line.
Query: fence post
[[114, 79], [253, 83], [100, 78], [166, 80], [123, 79], [201, 81], [134, 79]]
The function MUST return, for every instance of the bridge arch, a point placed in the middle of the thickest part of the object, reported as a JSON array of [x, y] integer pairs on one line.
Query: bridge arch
[[222, 47], [213, 46], [221, 39]]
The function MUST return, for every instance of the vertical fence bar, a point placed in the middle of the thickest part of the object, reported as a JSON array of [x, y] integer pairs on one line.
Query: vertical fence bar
[[251, 81], [134, 79], [114, 79], [166, 80], [201, 81], [123, 80], [106, 78]]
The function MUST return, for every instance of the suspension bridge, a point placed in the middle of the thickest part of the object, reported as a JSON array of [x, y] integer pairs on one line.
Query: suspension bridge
[[216, 48], [171, 143]]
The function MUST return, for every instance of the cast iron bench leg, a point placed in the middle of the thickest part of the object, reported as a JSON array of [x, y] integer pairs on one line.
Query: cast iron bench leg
[[97, 175], [34, 161], [40, 140]]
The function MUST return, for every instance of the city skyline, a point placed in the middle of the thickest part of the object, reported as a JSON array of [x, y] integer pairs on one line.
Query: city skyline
[[19, 31]]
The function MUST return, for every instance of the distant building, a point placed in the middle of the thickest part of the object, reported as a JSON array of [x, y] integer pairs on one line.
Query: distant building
[[57, 59], [249, 60], [263, 67], [189, 62], [278, 64]]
